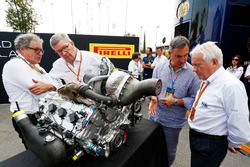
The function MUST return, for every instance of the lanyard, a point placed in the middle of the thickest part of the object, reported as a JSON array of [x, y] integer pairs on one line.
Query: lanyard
[[79, 69], [137, 64], [171, 76], [202, 89], [149, 59], [35, 67]]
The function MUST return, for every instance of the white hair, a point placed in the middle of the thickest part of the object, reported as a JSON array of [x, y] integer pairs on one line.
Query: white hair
[[209, 51], [23, 40], [58, 37]]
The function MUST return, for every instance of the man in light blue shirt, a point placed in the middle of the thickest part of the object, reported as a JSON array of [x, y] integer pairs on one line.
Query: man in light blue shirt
[[179, 87]]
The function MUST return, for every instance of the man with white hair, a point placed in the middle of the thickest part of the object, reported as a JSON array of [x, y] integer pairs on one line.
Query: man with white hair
[[73, 64], [219, 116]]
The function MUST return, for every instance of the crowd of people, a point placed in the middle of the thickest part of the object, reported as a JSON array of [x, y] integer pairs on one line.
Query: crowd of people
[[202, 93]]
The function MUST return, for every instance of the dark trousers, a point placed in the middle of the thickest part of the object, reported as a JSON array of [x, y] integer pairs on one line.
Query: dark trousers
[[171, 139], [139, 78], [207, 150], [147, 77], [18, 130]]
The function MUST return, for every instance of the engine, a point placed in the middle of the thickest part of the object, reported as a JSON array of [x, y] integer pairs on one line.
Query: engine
[[81, 119], [94, 128]]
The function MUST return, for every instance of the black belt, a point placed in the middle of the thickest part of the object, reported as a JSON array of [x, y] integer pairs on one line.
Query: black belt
[[207, 136]]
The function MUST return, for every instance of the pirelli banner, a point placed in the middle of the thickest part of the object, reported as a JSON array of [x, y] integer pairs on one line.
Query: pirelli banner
[[119, 49], [115, 51]]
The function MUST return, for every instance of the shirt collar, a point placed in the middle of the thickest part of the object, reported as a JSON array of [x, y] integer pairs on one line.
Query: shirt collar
[[216, 74], [180, 69], [78, 55], [22, 57], [159, 56], [185, 66]]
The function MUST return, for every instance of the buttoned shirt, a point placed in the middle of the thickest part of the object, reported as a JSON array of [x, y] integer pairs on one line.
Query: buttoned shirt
[[135, 68], [247, 73], [186, 85], [17, 77], [237, 72], [159, 60], [223, 109], [89, 67], [147, 72]]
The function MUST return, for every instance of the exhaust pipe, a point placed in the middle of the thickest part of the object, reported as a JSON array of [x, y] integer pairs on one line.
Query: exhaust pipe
[[86, 92], [121, 89], [131, 91], [134, 90], [77, 93]]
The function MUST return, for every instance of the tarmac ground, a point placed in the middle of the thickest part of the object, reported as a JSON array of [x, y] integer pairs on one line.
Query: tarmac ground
[[10, 144]]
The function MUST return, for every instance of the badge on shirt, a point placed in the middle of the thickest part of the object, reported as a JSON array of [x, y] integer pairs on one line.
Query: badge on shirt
[[204, 104], [169, 92]]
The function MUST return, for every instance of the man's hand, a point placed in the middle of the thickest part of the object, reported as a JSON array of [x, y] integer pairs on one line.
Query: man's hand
[[168, 101], [148, 65], [152, 105], [233, 150], [40, 87], [247, 77]]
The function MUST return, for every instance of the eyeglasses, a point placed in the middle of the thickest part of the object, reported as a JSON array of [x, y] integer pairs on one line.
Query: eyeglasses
[[236, 59], [65, 48], [36, 50]]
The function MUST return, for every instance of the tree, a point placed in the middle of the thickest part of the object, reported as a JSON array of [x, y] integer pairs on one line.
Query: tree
[[20, 15], [143, 50], [144, 43]]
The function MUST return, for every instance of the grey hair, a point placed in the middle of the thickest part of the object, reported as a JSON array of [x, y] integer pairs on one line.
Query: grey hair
[[178, 42], [58, 37], [23, 40], [209, 51]]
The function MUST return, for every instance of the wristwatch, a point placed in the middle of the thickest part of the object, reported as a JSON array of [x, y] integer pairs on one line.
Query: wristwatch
[[176, 102]]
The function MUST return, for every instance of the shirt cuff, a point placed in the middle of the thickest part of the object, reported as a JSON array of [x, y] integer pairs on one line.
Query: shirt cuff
[[188, 102], [57, 84], [233, 145]]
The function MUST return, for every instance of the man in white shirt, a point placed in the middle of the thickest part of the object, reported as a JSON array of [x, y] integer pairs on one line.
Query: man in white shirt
[[73, 65], [219, 118], [135, 66], [247, 84], [159, 59], [23, 79], [247, 73]]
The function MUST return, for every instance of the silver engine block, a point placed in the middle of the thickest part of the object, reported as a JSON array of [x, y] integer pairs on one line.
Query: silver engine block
[[98, 129]]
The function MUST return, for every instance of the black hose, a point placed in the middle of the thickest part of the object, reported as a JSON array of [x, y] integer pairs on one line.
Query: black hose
[[86, 92], [52, 153]]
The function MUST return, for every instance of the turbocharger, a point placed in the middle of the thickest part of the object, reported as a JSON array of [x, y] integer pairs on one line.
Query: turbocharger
[[121, 89]]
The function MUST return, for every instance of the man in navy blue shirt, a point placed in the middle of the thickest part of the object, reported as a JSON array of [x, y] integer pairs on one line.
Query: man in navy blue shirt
[[147, 61]]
